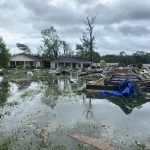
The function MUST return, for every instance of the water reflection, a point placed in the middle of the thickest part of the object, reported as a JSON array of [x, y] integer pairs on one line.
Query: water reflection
[[88, 108], [126, 105], [84, 113], [22, 85], [4, 92], [58, 88]]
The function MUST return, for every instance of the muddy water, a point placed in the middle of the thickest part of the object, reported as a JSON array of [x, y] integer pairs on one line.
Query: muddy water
[[40, 115]]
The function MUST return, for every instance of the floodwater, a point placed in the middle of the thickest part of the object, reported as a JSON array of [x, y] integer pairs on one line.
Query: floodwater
[[1, 78], [40, 115]]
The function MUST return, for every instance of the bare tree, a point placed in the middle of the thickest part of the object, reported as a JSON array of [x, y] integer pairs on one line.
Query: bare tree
[[90, 22], [88, 39]]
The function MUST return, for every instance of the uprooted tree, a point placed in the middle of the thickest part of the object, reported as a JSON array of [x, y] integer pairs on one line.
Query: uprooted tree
[[86, 48], [4, 54]]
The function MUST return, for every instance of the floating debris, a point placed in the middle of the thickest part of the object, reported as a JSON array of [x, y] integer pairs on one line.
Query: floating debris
[[1, 115], [44, 131]]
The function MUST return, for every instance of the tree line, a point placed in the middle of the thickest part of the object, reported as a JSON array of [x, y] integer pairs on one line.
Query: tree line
[[53, 47], [137, 58]]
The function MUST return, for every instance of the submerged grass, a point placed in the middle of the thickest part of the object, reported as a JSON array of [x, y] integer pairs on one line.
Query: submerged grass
[[138, 146], [16, 75], [6, 144], [14, 103], [29, 94], [21, 74], [51, 94]]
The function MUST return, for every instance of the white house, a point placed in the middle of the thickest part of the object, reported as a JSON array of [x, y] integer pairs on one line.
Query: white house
[[25, 60], [69, 62]]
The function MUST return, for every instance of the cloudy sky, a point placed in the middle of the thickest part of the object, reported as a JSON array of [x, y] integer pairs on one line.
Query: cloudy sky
[[120, 24]]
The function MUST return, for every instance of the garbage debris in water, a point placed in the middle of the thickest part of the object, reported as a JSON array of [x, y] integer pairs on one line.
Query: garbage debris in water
[[29, 73], [44, 131]]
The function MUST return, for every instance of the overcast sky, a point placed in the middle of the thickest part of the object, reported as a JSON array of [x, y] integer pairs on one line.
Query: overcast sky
[[120, 24]]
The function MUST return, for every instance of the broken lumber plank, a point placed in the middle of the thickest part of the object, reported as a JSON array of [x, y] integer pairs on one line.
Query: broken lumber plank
[[101, 87], [90, 141]]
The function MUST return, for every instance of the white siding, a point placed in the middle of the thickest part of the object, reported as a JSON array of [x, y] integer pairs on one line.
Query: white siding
[[21, 58], [76, 66], [52, 65], [38, 64]]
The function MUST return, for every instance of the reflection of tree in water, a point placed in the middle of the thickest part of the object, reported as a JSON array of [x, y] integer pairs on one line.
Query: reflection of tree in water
[[88, 108], [56, 88], [4, 92], [51, 93], [78, 86], [22, 85]]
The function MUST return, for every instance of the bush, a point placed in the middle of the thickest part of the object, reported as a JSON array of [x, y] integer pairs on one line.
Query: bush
[[20, 67]]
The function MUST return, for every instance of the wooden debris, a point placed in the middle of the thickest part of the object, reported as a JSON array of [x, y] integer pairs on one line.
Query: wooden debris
[[112, 82], [44, 131], [90, 141], [100, 81]]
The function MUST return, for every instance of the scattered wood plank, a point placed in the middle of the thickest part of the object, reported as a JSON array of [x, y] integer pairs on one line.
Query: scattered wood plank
[[90, 141], [101, 87]]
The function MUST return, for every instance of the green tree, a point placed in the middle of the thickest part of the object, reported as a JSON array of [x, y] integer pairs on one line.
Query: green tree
[[24, 48], [66, 49], [96, 57], [51, 43], [4, 54], [122, 53], [139, 57], [81, 51]]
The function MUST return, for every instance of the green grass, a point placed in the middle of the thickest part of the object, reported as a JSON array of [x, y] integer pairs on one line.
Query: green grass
[[6, 144], [16, 75]]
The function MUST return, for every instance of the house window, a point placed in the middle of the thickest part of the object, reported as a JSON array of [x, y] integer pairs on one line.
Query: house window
[[31, 63], [12, 63], [20, 63]]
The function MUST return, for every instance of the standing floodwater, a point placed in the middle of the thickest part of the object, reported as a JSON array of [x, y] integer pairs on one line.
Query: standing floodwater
[[41, 114], [1, 78]]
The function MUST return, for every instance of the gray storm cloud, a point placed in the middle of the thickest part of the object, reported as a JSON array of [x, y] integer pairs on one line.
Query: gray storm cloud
[[120, 25]]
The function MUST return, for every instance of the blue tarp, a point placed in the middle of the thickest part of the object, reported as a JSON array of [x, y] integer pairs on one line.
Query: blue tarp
[[125, 89]]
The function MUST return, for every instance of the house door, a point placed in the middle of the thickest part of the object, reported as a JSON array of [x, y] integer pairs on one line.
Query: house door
[[73, 65]]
